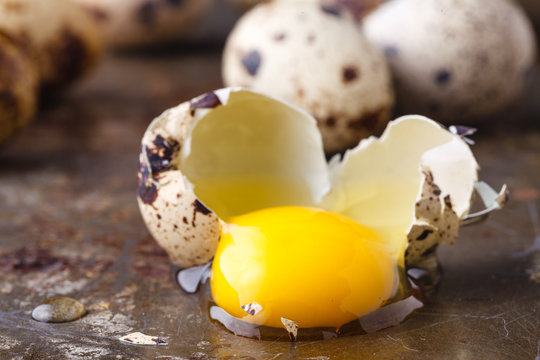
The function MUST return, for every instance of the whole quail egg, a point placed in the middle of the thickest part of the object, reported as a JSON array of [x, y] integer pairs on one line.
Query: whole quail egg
[[314, 56], [18, 88], [145, 22], [61, 37], [454, 59], [241, 178]]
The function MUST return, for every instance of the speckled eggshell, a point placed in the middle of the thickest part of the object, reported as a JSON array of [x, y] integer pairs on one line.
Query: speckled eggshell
[[359, 8], [454, 60], [18, 88], [179, 222], [316, 57], [145, 22], [63, 38]]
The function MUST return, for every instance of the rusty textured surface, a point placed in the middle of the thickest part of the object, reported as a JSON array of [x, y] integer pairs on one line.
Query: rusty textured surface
[[70, 226]]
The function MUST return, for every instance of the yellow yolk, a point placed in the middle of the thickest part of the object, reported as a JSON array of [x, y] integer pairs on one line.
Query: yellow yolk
[[307, 265]]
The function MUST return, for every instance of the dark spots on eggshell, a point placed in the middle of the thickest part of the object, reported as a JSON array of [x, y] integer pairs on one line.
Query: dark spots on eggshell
[[146, 188], [158, 216], [251, 62], [199, 207], [206, 101], [350, 73], [185, 220], [280, 36], [161, 153], [311, 38], [443, 77], [437, 191], [333, 10], [146, 14], [159, 156], [330, 121], [70, 54], [424, 234], [448, 202]]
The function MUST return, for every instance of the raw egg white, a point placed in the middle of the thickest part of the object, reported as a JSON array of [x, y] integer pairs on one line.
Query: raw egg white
[[318, 268]]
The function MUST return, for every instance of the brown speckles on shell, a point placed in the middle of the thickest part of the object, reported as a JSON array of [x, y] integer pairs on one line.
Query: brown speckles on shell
[[199, 207], [251, 62], [331, 9], [350, 73], [70, 53], [436, 222], [205, 101]]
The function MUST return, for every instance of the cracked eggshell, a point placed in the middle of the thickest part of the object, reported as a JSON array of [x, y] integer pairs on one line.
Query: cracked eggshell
[[63, 38], [18, 88], [413, 185], [454, 59], [175, 216], [316, 57], [136, 23], [419, 181]]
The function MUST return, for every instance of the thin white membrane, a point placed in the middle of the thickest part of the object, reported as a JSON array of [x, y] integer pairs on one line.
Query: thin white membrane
[[378, 183], [226, 150]]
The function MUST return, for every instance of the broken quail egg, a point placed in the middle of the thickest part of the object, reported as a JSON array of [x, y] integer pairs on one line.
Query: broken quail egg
[[145, 22], [241, 178], [18, 88], [454, 60], [60, 36], [314, 56]]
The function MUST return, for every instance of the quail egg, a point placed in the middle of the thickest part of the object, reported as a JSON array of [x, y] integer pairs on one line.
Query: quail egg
[[61, 37], [315, 56], [241, 178], [455, 60], [145, 22]]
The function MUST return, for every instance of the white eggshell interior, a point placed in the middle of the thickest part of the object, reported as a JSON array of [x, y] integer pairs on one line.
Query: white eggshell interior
[[254, 152]]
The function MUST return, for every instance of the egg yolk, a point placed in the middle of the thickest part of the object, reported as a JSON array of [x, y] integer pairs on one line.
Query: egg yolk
[[311, 266]]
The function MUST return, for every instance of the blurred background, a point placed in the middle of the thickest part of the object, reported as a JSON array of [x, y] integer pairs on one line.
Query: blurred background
[[80, 81]]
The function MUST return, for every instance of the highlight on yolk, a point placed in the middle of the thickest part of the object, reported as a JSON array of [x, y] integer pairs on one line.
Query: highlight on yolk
[[311, 266]]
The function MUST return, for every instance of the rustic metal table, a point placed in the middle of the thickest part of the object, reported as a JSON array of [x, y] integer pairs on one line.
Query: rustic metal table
[[69, 225]]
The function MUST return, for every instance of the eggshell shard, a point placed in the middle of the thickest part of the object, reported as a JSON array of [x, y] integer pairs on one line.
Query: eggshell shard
[[446, 58], [61, 37], [435, 175], [18, 88], [145, 22], [314, 56]]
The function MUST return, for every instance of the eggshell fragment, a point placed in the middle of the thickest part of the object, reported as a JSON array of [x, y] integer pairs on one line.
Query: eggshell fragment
[[314, 56], [18, 88], [454, 60], [60, 36], [145, 22], [424, 176]]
